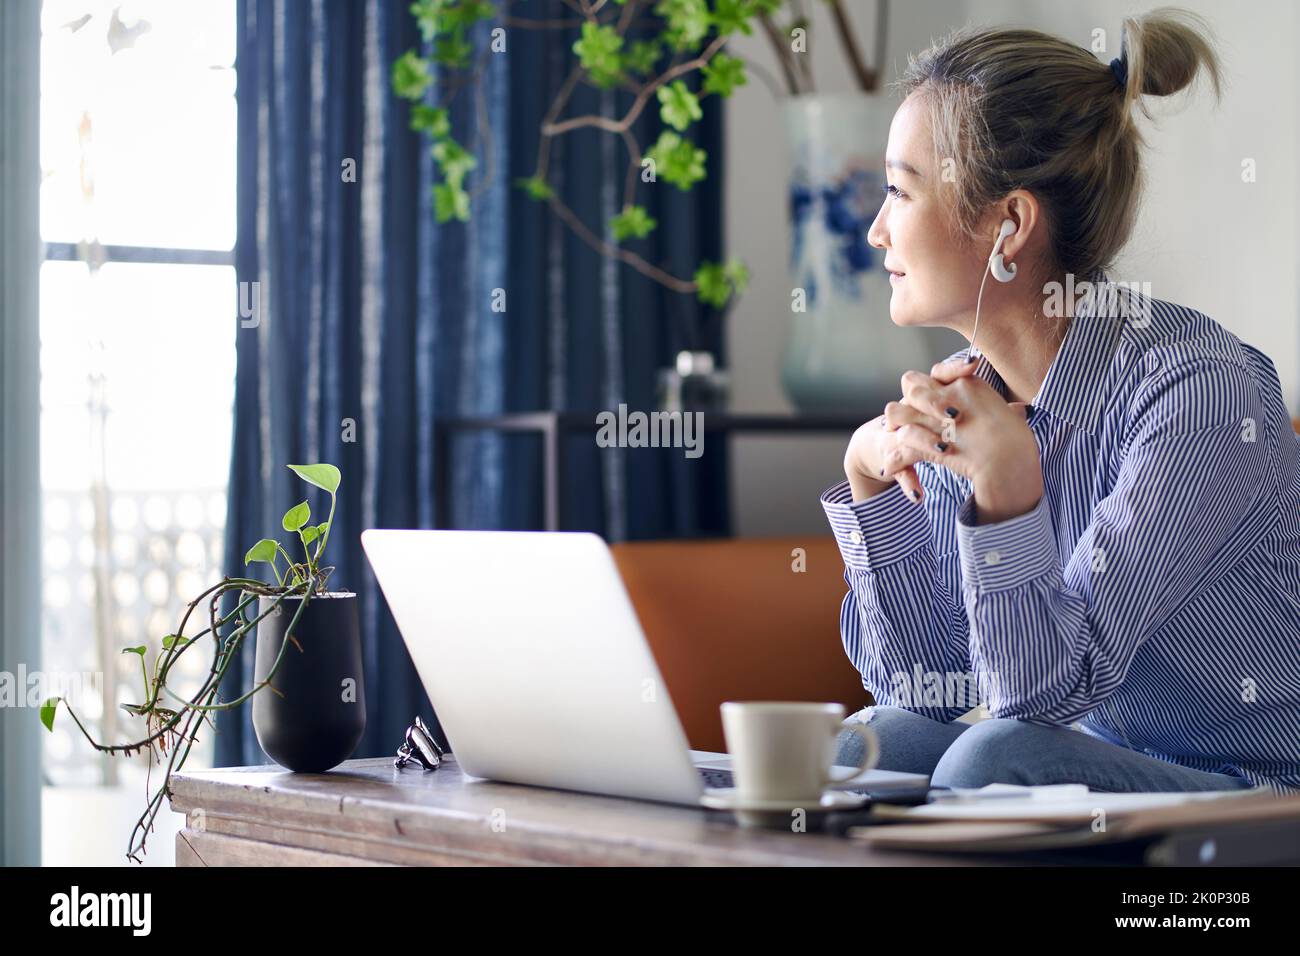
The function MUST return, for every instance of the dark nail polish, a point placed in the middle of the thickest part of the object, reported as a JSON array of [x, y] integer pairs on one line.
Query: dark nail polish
[[882, 473], [941, 445], [952, 412], [916, 494], [1029, 409], [970, 358]]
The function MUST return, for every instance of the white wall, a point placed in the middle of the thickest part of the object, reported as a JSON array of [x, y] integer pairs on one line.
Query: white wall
[[1204, 238]]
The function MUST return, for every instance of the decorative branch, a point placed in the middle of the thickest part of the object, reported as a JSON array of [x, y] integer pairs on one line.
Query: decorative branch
[[694, 36], [868, 78], [630, 117], [784, 56], [637, 262]]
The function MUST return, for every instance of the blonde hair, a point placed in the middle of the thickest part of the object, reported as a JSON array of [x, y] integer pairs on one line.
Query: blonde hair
[[1020, 109]]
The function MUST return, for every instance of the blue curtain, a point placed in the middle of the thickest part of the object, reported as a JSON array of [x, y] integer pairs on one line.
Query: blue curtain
[[369, 320]]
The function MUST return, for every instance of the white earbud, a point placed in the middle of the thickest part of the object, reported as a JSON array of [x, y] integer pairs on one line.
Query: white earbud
[[1001, 271]]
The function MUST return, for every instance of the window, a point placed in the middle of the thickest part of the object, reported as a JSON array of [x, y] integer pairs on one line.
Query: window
[[138, 329]]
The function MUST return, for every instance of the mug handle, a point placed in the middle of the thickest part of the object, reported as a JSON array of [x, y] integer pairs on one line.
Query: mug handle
[[869, 757]]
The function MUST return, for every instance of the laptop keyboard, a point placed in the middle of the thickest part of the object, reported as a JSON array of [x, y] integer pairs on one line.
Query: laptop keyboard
[[717, 779]]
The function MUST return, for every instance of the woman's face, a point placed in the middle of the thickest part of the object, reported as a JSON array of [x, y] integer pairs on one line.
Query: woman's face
[[935, 278]]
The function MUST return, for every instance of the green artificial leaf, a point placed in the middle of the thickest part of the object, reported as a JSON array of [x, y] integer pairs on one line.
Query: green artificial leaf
[[175, 640], [454, 161], [322, 475], [450, 201], [536, 187], [411, 76], [48, 710], [427, 15], [264, 550], [732, 15], [723, 74], [309, 534], [678, 106], [467, 12], [716, 282], [642, 56], [134, 650], [677, 160], [598, 52], [431, 119], [632, 221], [712, 287], [452, 49], [296, 517], [687, 22]]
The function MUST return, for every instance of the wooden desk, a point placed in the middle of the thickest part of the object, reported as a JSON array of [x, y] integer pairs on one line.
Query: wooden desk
[[368, 813]]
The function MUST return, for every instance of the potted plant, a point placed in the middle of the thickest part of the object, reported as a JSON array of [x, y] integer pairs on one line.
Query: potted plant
[[669, 55], [308, 655]]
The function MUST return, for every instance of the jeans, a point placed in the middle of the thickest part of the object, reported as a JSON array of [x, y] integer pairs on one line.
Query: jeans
[[1003, 750]]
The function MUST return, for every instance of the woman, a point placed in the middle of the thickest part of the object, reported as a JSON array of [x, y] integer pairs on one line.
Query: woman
[[1095, 524]]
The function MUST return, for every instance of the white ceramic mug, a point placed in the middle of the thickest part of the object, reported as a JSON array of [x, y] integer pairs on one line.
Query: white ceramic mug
[[785, 750]]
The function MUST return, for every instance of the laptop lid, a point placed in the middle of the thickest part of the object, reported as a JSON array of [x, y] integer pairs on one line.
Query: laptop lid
[[534, 659]]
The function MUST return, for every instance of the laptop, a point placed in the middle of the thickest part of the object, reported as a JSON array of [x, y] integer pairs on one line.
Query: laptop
[[532, 655]]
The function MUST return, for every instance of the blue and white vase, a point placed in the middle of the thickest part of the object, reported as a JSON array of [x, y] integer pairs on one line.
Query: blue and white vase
[[843, 350]]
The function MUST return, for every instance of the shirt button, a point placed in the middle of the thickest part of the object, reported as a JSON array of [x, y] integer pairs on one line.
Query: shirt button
[[993, 557], [855, 537]]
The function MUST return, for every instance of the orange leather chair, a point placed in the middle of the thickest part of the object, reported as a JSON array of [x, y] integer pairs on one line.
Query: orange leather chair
[[731, 619]]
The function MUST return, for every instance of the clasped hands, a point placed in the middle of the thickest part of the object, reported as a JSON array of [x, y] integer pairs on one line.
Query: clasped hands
[[955, 419]]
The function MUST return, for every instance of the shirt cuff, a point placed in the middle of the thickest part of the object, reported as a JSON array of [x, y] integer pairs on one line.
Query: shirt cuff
[[1005, 554], [880, 530]]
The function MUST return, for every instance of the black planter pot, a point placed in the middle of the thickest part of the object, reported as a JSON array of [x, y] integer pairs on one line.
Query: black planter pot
[[317, 719]]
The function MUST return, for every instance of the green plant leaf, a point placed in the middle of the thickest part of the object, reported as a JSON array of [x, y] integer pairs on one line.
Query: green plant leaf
[[309, 534], [452, 49], [450, 201], [732, 15], [738, 274], [296, 517], [632, 221], [687, 22], [137, 710], [716, 282], [454, 160], [322, 527], [678, 106], [264, 550], [48, 709], [134, 650], [428, 15], [322, 475], [175, 640], [677, 160], [536, 187], [433, 120], [411, 76], [723, 74], [642, 56], [598, 53]]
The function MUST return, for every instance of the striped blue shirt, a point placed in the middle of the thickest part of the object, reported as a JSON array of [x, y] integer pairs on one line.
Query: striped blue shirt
[[1151, 598]]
